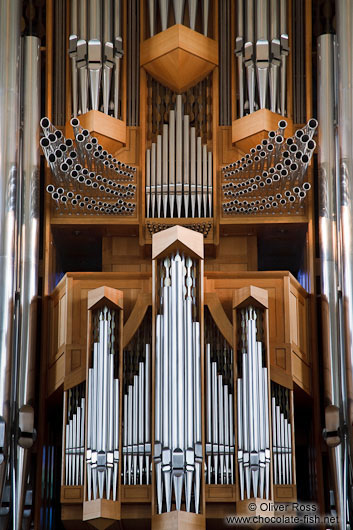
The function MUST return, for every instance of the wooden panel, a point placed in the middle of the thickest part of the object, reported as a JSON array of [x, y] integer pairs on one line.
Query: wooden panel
[[301, 373], [101, 508], [220, 493], [248, 131], [285, 493], [56, 374], [234, 253], [111, 133], [124, 254], [135, 494], [71, 494], [178, 520]]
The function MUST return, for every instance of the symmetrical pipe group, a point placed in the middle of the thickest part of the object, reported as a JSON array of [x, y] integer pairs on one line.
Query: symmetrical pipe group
[[179, 171], [178, 8], [270, 178], [281, 435], [254, 456], [178, 436], [74, 436], [137, 419], [86, 177], [103, 418], [261, 49], [219, 416], [95, 48]]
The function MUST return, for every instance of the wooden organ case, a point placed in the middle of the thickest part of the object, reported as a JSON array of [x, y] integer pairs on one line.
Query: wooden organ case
[[190, 175]]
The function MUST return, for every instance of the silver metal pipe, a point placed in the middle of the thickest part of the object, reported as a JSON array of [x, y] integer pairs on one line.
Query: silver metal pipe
[[199, 175], [163, 9], [171, 161], [192, 13], [9, 142], [193, 170], [275, 53], [210, 183], [82, 55], [147, 403], [73, 54], [153, 179], [159, 175], [165, 173], [239, 51], [249, 52], [208, 412], [186, 156], [262, 50], [148, 182], [284, 53], [152, 16], [94, 53], [179, 152], [204, 179], [178, 6], [29, 241], [205, 13]]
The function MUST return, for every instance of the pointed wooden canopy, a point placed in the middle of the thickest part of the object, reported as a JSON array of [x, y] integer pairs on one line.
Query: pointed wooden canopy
[[105, 296], [177, 238], [179, 57], [250, 295]]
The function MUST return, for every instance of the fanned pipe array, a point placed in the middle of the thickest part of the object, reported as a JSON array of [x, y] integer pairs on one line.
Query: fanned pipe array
[[86, 178], [137, 420], [102, 456], [95, 49], [179, 175], [219, 417], [271, 177], [178, 8], [178, 436], [261, 50], [281, 435], [254, 456], [75, 436]]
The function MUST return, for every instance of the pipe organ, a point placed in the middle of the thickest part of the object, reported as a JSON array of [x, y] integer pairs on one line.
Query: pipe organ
[[176, 268]]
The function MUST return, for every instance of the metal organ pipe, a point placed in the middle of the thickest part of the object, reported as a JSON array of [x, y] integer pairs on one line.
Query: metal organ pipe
[[329, 245], [29, 241], [179, 172], [178, 447], [263, 46], [9, 142]]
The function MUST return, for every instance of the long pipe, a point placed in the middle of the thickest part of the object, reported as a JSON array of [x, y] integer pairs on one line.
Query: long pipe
[[9, 142], [344, 17], [28, 254], [328, 245]]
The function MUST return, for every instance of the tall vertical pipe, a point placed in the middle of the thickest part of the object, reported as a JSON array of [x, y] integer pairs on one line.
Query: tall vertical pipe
[[9, 141], [29, 255], [328, 243]]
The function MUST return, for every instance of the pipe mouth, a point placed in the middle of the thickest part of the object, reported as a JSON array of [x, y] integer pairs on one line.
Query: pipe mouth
[[299, 134], [286, 154], [63, 198], [284, 173], [70, 194], [85, 133], [85, 172], [282, 124], [44, 142], [283, 202], [269, 147], [305, 138], [51, 158], [312, 123], [272, 134], [289, 141], [68, 142], [63, 148], [89, 147], [279, 139], [278, 196], [74, 202], [296, 190], [302, 194], [58, 134], [64, 167], [291, 198], [55, 196], [94, 140], [276, 177], [298, 155], [264, 141], [50, 188], [81, 179], [264, 174], [58, 153], [80, 138], [78, 167], [60, 191], [45, 122], [287, 193], [306, 186], [74, 174], [305, 159], [311, 145], [287, 162], [52, 138], [294, 166], [271, 171], [74, 122], [293, 148], [279, 167], [73, 155]]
